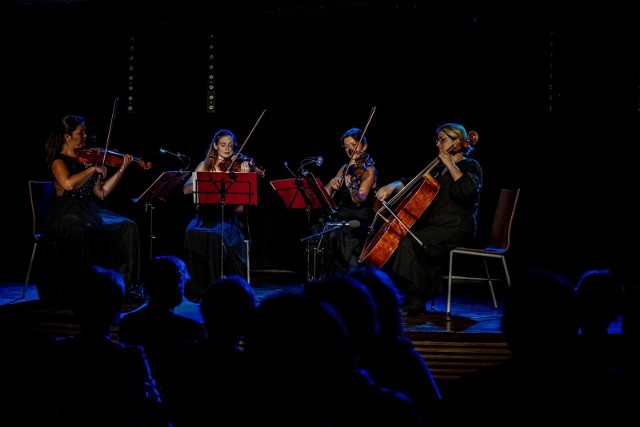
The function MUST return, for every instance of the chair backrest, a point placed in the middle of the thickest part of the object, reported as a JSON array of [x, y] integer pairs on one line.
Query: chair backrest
[[41, 194], [503, 218]]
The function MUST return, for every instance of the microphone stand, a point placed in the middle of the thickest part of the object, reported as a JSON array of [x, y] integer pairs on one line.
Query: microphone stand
[[179, 156], [325, 231], [303, 179]]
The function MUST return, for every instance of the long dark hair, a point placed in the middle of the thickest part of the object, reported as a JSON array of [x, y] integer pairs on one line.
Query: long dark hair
[[56, 138]]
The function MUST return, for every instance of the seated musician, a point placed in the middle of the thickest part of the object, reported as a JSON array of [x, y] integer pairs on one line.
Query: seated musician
[[449, 220], [352, 190], [208, 230]]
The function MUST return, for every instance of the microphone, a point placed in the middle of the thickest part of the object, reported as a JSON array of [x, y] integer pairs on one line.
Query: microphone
[[179, 156], [354, 223], [317, 160], [286, 165]]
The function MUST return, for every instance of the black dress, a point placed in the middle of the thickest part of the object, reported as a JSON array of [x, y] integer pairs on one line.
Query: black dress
[[79, 232], [203, 250], [449, 221], [341, 247]]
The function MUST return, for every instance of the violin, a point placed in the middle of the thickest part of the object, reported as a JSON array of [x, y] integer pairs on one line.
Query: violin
[[92, 156], [358, 169], [234, 163]]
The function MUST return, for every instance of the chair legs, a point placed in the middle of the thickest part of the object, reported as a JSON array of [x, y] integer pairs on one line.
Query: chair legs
[[449, 282], [246, 252], [26, 282], [506, 271], [487, 278], [493, 294]]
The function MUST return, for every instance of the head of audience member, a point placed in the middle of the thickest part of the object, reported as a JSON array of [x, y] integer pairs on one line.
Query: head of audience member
[[226, 307], [97, 298], [540, 314], [386, 297], [353, 303], [164, 279], [294, 339], [600, 295], [631, 323]]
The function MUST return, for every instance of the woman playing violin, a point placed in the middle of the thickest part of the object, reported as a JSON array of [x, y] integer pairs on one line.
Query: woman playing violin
[[352, 190], [203, 234], [449, 221], [78, 230]]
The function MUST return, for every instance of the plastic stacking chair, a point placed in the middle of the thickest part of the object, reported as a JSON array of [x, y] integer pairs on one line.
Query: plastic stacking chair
[[41, 194], [500, 241]]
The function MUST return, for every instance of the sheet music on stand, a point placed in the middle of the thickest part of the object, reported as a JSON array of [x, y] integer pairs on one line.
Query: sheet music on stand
[[162, 186], [306, 192], [225, 188], [231, 188]]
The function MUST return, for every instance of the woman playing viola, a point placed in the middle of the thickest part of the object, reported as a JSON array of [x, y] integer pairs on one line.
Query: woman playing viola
[[352, 190], [78, 230], [203, 234]]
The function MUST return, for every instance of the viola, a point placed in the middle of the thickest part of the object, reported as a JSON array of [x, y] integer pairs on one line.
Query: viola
[[93, 156], [235, 162], [358, 169]]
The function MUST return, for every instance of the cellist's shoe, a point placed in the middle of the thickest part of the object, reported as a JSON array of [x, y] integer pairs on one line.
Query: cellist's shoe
[[414, 312], [414, 308]]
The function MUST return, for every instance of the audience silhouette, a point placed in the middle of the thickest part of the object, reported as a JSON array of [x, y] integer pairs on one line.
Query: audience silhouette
[[154, 325], [392, 359], [600, 294], [545, 378], [209, 382], [355, 306], [622, 391], [335, 354], [89, 379], [303, 371]]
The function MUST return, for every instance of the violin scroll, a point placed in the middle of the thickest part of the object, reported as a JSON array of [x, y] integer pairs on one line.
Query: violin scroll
[[472, 137]]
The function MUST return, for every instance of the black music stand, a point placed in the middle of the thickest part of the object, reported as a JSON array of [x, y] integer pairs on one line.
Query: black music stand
[[159, 190], [225, 188], [305, 192]]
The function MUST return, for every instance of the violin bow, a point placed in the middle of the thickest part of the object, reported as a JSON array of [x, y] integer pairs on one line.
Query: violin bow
[[235, 156], [366, 126], [113, 117]]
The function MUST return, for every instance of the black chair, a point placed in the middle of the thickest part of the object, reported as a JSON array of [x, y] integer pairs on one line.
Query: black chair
[[41, 194]]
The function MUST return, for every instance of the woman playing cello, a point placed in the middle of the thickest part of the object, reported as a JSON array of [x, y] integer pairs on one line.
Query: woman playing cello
[[449, 220]]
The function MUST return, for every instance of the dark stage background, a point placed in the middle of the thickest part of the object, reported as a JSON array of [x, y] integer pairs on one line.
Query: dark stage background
[[554, 97]]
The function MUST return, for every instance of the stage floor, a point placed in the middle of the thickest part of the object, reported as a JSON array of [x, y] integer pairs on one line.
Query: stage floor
[[472, 310]]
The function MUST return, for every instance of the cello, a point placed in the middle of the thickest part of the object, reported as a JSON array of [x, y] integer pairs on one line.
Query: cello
[[410, 203]]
